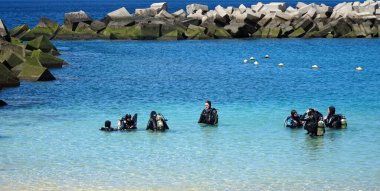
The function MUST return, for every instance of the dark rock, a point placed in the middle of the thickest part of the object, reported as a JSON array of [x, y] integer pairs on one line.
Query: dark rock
[[46, 27], [10, 59], [19, 31], [7, 46], [190, 21], [340, 27], [7, 78], [140, 31], [33, 70], [43, 44], [47, 60], [97, 26], [305, 23], [239, 30], [27, 36], [2, 103]]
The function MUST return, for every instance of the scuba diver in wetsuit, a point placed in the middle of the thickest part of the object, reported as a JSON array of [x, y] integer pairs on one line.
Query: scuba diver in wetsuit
[[294, 120], [157, 122], [333, 120], [209, 115], [129, 123], [107, 126], [311, 118]]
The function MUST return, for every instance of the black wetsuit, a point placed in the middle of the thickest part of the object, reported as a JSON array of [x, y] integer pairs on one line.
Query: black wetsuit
[[107, 126], [128, 125], [209, 116], [333, 121], [311, 122], [293, 122], [152, 123]]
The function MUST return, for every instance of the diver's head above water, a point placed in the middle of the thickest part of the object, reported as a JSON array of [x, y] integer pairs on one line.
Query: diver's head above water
[[294, 113], [128, 117], [153, 114], [207, 104], [331, 110]]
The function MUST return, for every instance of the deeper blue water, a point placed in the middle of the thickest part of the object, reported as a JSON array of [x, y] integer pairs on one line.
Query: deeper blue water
[[17, 12], [49, 137]]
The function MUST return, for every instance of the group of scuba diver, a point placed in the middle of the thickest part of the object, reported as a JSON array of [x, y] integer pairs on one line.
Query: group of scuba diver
[[157, 121], [314, 122]]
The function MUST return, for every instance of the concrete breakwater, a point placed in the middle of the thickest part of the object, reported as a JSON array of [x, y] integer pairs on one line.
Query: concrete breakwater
[[273, 20], [26, 60]]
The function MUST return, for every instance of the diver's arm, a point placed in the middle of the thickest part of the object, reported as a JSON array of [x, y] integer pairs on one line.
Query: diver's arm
[[148, 126], [303, 117]]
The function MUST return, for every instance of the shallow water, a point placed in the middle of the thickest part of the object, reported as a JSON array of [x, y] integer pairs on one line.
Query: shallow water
[[49, 136]]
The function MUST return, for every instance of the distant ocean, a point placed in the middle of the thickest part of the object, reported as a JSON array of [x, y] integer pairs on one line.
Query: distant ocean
[[17, 12]]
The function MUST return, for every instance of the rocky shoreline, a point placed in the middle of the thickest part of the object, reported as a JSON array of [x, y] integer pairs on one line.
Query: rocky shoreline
[[26, 60], [273, 20]]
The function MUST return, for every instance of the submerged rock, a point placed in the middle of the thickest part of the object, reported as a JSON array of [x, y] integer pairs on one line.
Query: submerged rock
[[2, 103]]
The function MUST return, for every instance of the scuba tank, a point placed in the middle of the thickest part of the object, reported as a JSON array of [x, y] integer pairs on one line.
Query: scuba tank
[[320, 128], [343, 122], [160, 122], [120, 123]]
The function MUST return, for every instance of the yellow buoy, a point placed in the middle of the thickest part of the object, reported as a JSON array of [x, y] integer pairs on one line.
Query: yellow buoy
[[267, 56], [281, 65], [252, 58], [256, 63], [245, 61], [359, 68], [315, 66]]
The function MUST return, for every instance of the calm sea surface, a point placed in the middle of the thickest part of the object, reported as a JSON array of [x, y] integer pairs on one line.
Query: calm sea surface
[[49, 137]]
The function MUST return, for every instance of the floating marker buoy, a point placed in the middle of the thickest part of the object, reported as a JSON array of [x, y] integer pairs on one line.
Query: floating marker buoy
[[252, 58], [281, 65], [315, 66], [359, 68], [245, 61], [256, 63], [266, 56]]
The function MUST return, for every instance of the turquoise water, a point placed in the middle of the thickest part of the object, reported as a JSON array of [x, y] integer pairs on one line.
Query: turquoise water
[[49, 137]]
